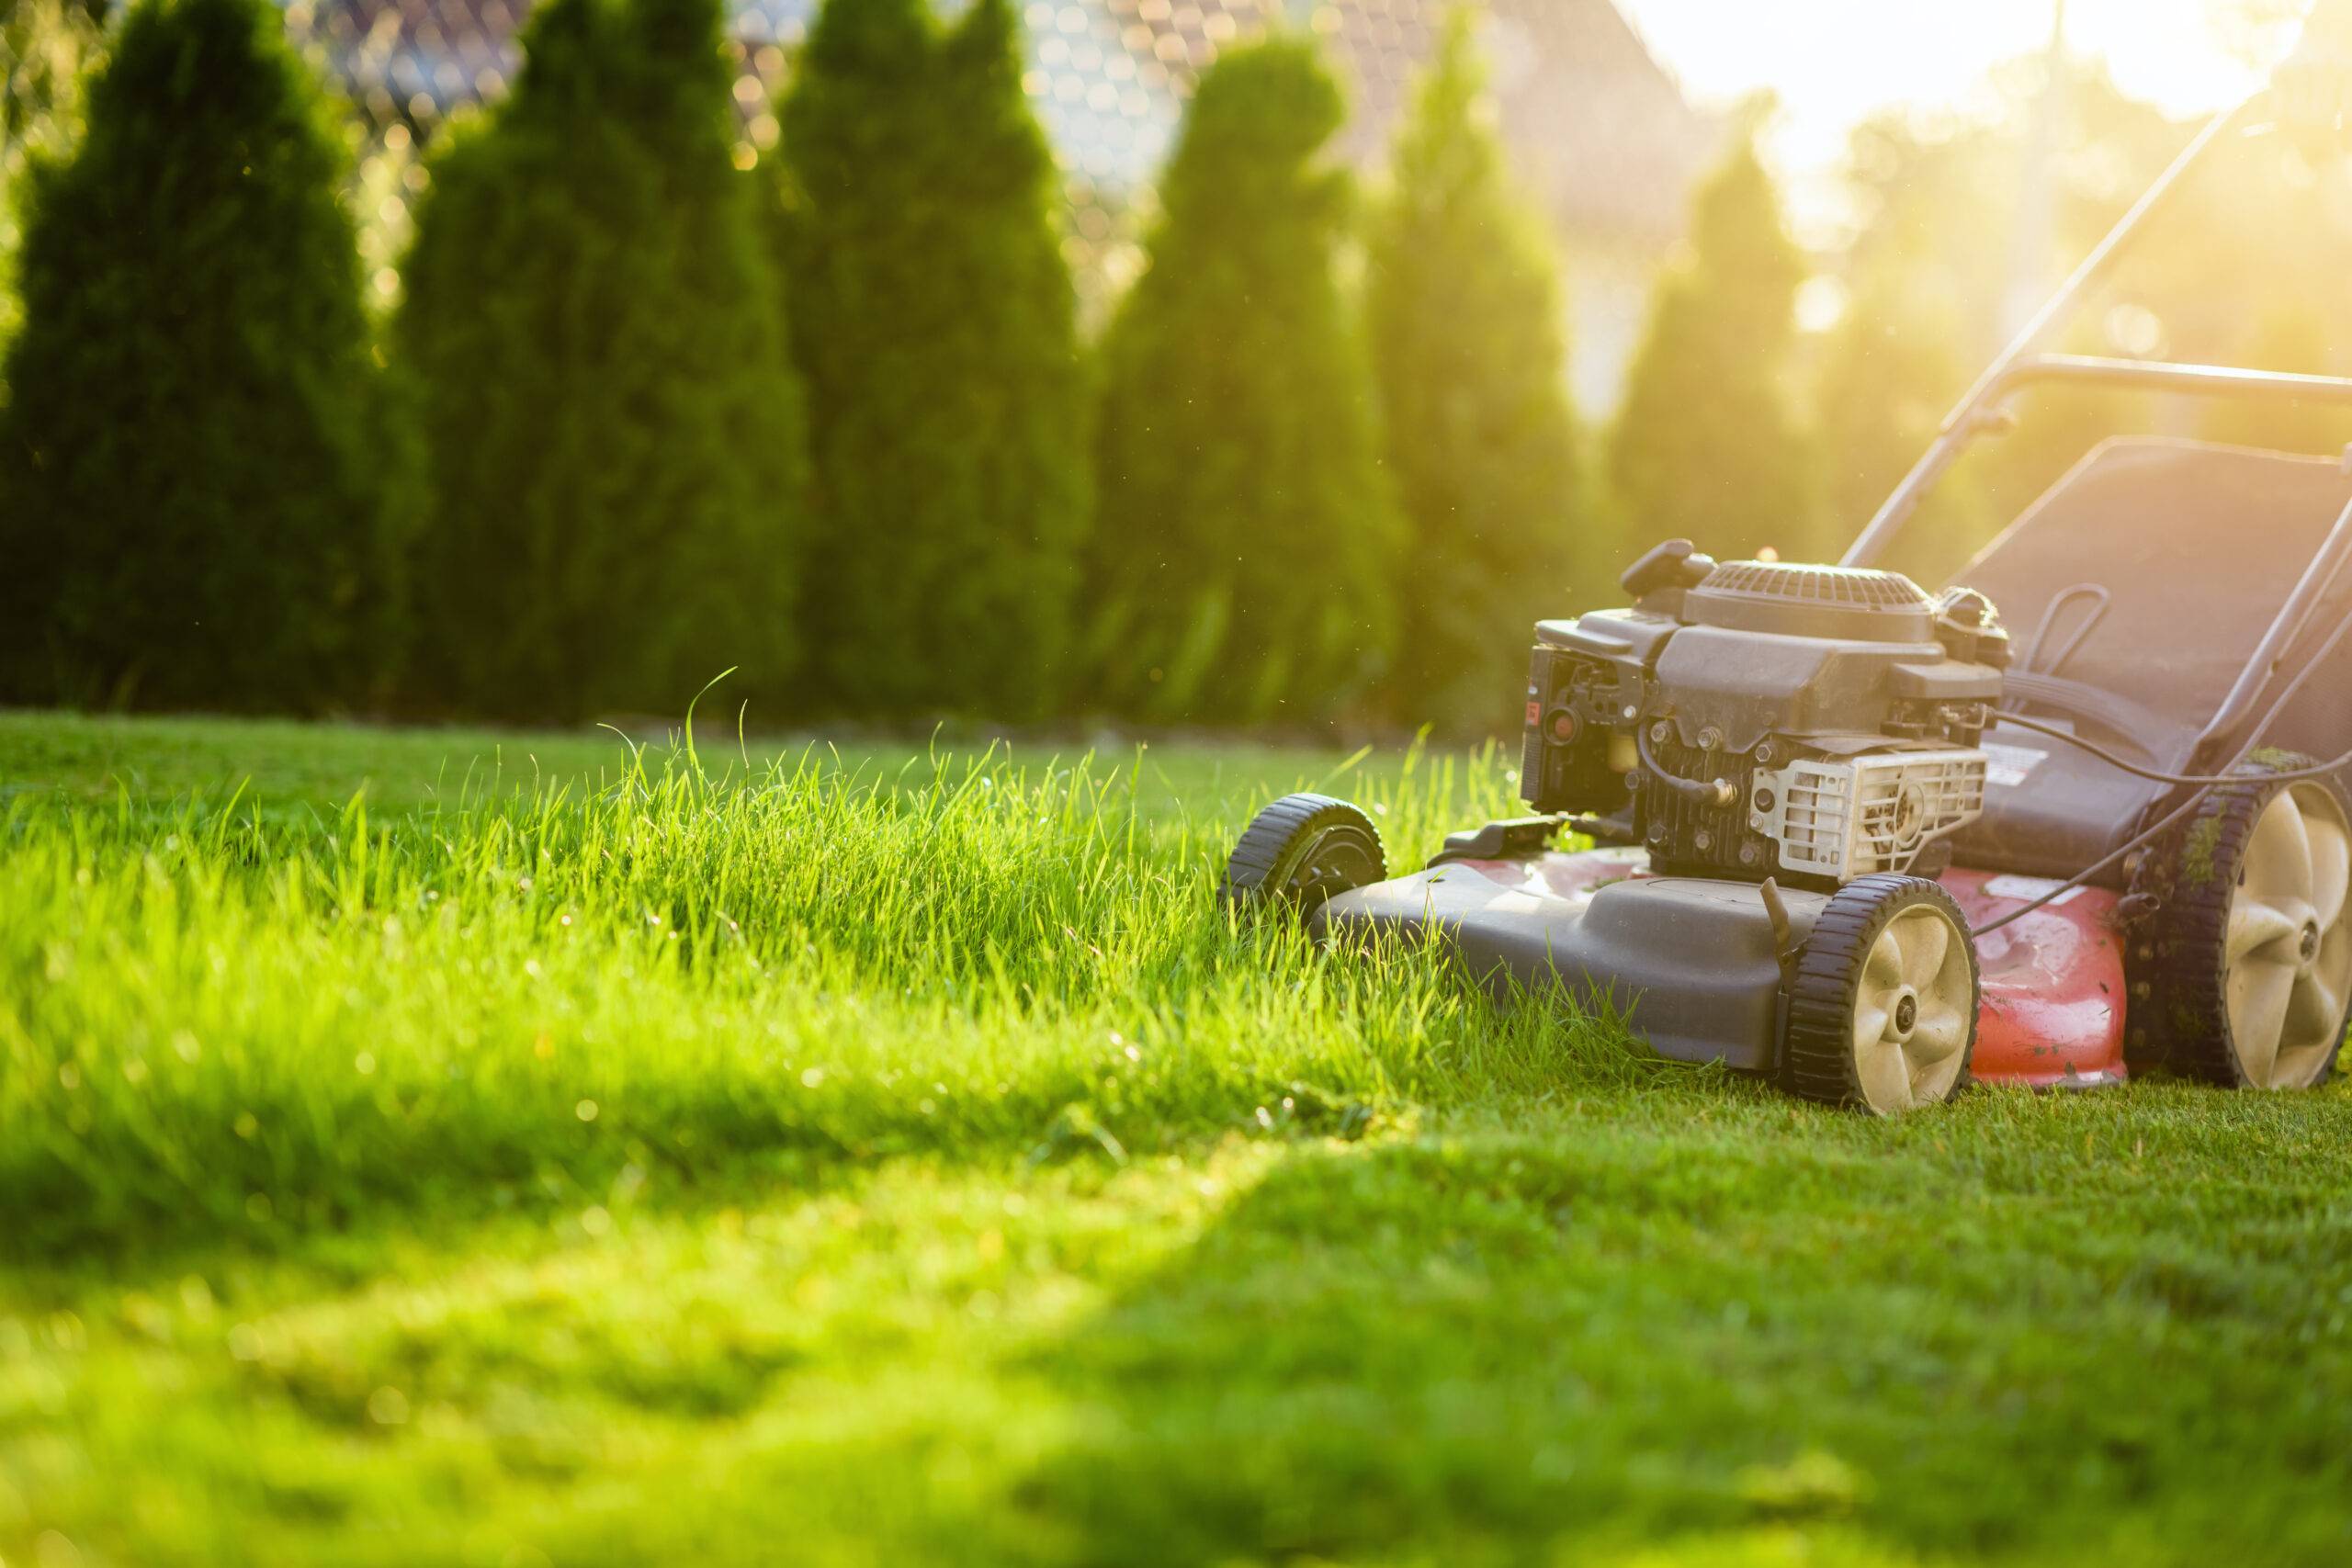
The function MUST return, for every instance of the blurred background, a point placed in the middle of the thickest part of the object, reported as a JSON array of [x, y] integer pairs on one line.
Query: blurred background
[[1218, 364]]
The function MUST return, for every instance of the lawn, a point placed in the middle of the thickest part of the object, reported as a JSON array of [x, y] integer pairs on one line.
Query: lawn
[[447, 1147]]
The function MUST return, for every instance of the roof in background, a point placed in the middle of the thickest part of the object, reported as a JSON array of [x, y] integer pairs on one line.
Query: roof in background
[[1596, 129]]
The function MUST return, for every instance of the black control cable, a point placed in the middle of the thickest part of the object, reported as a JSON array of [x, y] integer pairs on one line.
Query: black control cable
[[2181, 814], [1700, 790], [2057, 732]]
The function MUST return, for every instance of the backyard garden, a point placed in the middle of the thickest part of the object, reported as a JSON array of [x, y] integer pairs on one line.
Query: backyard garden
[[626, 677]]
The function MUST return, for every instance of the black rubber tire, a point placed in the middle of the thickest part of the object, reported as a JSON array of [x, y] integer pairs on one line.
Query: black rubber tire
[[1301, 851], [2177, 959], [1816, 1040]]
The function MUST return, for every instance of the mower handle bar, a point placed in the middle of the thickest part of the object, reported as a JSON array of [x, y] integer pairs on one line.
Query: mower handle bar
[[2320, 580], [2315, 86], [2162, 376], [2328, 44], [2004, 373]]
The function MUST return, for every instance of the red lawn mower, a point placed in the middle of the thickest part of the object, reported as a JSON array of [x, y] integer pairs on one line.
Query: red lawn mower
[[1861, 839]]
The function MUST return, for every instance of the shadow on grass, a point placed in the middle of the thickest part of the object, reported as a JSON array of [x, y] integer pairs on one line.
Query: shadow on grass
[[2090, 1328], [1839, 1345]]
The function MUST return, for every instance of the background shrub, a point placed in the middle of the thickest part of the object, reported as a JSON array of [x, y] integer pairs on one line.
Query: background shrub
[[1464, 313], [45, 48], [198, 503], [935, 321], [1707, 445], [1890, 373], [1243, 561], [595, 338]]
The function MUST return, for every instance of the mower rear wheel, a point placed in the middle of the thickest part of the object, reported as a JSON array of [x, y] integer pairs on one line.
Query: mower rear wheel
[[1302, 851], [1883, 1004], [2242, 976]]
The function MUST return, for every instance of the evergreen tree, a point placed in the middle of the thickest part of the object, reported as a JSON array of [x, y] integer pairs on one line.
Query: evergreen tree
[[1465, 315], [1244, 558], [46, 47], [936, 324], [1706, 446], [1889, 375], [194, 506], [595, 335]]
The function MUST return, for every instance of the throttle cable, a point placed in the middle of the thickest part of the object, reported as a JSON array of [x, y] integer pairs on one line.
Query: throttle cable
[[2141, 841]]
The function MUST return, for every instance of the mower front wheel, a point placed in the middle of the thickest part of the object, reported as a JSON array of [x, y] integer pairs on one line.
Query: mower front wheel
[[1883, 1004], [1300, 853]]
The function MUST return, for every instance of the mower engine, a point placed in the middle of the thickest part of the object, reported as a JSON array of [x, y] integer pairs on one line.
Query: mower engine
[[1754, 720]]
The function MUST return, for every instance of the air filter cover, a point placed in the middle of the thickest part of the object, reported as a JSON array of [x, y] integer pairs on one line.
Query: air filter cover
[[1847, 603]]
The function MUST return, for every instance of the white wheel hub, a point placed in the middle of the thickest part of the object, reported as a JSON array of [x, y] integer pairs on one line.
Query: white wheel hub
[[2287, 967], [1911, 1011]]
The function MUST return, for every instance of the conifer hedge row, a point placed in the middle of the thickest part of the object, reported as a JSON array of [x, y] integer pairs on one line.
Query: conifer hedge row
[[199, 505], [594, 342], [642, 416]]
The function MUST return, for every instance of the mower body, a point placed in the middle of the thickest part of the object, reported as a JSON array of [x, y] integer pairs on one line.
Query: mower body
[[2086, 805], [1684, 735], [1695, 962]]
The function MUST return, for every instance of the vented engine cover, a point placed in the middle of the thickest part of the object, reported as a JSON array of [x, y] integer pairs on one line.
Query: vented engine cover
[[1842, 820]]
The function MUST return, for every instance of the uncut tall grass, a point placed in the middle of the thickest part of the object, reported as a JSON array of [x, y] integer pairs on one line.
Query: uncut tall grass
[[219, 1021]]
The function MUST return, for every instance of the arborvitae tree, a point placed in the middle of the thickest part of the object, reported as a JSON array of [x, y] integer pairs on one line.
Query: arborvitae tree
[[46, 46], [1706, 446], [1244, 559], [594, 333], [1465, 317], [936, 324], [193, 505], [1890, 374]]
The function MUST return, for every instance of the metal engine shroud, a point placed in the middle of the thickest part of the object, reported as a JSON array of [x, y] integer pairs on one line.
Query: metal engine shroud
[[1755, 719]]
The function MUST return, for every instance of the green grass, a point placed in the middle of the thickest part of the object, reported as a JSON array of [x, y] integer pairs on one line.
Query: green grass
[[558, 1155]]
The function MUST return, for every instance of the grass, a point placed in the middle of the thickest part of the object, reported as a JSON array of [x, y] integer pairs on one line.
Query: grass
[[561, 1153]]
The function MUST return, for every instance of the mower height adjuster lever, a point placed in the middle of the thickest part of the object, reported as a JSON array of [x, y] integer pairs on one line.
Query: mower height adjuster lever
[[1514, 838]]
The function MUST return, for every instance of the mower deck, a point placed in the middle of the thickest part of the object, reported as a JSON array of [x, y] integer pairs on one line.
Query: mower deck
[[1694, 965]]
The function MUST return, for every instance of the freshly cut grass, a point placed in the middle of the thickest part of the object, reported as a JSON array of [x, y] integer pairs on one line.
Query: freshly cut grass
[[852, 1159]]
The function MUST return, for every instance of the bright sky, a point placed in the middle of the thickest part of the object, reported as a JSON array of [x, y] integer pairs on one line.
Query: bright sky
[[1835, 62]]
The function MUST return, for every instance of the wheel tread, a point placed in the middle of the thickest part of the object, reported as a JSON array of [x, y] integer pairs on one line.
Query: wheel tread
[[1816, 1058], [2178, 1014], [1274, 831]]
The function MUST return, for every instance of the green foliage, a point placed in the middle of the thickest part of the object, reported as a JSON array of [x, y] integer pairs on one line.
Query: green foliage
[[594, 334], [1464, 321], [589, 1173], [1010, 918], [1891, 372], [196, 504], [1942, 259], [936, 324], [45, 48], [1243, 564], [1708, 445]]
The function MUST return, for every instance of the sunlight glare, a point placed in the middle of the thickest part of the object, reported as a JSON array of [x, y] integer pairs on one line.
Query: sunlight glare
[[1846, 57], [1833, 63]]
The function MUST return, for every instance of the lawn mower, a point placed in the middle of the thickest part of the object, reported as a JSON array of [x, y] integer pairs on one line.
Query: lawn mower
[[2079, 815]]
